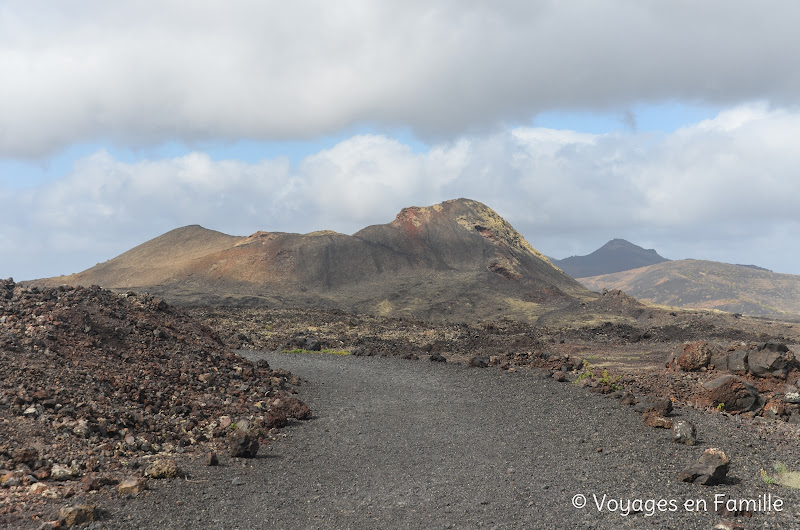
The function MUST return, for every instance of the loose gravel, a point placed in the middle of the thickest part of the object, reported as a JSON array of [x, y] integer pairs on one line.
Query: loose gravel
[[414, 444]]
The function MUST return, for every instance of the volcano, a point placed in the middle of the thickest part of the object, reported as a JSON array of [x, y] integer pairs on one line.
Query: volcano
[[455, 261]]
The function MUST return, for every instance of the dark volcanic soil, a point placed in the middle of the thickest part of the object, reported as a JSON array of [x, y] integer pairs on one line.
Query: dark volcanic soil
[[99, 385], [403, 444]]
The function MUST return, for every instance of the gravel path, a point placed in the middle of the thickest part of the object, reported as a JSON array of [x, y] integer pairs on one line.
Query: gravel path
[[415, 444]]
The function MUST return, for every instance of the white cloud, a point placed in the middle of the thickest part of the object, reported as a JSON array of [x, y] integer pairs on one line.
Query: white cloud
[[145, 72], [362, 175], [723, 189]]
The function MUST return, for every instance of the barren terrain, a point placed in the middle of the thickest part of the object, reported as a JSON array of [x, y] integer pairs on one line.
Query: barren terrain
[[395, 436], [417, 444]]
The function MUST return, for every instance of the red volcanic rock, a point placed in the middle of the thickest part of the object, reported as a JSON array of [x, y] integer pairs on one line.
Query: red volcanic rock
[[733, 394], [695, 356]]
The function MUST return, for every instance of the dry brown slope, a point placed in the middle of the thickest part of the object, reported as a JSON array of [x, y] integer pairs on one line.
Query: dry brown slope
[[708, 285], [153, 262], [457, 260]]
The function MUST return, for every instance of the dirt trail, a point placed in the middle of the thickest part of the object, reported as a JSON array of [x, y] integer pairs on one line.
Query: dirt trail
[[405, 444]]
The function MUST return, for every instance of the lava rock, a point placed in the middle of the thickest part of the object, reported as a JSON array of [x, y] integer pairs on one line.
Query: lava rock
[[771, 359], [734, 393], [296, 408], [25, 456], [736, 361], [773, 346], [662, 406], [312, 344], [76, 515], [59, 472], [90, 483], [627, 399], [438, 358], [243, 445], [792, 397], [162, 468], [478, 362], [695, 356], [684, 432], [709, 470], [132, 486], [653, 418]]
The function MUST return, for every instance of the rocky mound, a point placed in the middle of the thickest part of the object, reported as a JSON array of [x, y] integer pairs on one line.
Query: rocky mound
[[457, 261], [91, 380]]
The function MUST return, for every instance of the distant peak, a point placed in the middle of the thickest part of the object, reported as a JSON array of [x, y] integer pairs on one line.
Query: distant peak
[[624, 244], [619, 243], [615, 256]]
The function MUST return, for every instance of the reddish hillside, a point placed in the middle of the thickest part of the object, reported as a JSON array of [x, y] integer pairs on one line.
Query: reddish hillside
[[457, 260]]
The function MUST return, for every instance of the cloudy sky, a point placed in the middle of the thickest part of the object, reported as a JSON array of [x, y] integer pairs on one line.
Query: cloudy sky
[[675, 125]]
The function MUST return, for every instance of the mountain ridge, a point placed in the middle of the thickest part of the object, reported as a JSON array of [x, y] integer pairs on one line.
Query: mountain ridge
[[455, 260], [703, 284]]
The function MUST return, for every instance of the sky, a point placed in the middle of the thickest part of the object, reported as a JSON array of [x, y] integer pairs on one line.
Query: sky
[[674, 125]]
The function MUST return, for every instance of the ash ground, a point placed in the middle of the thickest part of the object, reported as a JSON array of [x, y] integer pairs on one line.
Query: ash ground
[[395, 437]]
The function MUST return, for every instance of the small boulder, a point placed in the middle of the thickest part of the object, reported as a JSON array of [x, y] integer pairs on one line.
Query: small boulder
[[162, 468], [733, 360], [212, 459], [684, 432], [284, 407], [296, 408], [312, 344], [710, 469], [773, 346], [774, 409], [478, 362], [736, 360], [627, 399], [438, 358], [37, 487], [792, 397], [277, 418], [90, 483], [559, 376], [771, 359], [653, 418], [132, 486], [77, 515], [695, 356], [10, 480], [663, 406], [243, 445], [60, 472], [25, 456], [734, 393]]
